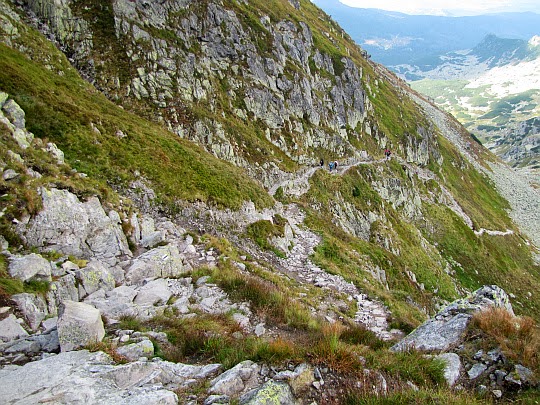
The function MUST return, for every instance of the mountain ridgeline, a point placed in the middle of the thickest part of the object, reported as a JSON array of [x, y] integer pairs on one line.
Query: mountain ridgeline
[[199, 126]]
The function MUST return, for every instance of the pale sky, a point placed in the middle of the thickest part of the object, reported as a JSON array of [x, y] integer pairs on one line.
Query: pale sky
[[448, 7]]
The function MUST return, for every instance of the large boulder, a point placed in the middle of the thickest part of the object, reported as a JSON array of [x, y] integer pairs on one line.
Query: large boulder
[[446, 328], [30, 267], [69, 226], [235, 380], [78, 325], [83, 378], [161, 262], [154, 293], [63, 289]]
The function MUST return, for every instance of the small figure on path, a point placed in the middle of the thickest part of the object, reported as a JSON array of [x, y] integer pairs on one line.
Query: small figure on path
[[322, 162], [330, 166], [335, 164], [387, 153]]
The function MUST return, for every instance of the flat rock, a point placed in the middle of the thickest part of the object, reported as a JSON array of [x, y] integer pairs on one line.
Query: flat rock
[[30, 267], [82, 378]]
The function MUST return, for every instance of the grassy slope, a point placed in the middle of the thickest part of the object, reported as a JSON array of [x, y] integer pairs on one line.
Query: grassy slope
[[63, 108]]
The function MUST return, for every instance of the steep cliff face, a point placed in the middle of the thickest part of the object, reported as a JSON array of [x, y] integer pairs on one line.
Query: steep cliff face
[[256, 85]]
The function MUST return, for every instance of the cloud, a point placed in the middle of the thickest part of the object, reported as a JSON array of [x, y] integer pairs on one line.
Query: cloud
[[448, 7]]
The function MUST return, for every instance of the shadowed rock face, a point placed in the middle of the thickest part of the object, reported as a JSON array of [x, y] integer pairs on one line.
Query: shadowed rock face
[[446, 328]]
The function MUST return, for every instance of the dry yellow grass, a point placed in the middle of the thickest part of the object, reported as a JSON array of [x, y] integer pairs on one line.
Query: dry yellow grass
[[518, 337]]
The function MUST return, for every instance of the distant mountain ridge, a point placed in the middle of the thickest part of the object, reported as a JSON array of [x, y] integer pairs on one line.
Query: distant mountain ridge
[[493, 89], [491, 52], [419, 36]]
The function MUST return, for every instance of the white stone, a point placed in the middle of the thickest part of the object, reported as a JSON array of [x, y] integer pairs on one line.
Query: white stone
[[452, 368]]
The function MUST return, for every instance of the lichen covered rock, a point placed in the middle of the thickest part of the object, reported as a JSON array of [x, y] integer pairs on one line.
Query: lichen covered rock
[[79, 324]]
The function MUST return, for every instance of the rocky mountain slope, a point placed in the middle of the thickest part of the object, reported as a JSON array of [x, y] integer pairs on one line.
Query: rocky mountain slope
[[162, 201]]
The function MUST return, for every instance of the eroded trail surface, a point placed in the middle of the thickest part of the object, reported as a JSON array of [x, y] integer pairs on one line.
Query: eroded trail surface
[[370, 313]]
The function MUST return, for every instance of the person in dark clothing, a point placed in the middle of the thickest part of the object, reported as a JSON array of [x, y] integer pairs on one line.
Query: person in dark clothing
[[322, 162]]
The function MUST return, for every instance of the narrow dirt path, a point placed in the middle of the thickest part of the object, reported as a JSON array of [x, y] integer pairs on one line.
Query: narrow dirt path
[[370, 313], [520, 188]]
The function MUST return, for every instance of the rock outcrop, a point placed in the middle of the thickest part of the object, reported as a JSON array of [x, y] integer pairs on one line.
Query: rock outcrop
[[81, 377], [446, 328], [83, 229]]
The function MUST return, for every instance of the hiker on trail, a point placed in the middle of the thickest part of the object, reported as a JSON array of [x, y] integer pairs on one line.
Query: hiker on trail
[[335, 164], [330, 166], [387, 153], [322, 162]]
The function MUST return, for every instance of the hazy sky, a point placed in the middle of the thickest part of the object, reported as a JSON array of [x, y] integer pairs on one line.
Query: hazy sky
[[448, 7]]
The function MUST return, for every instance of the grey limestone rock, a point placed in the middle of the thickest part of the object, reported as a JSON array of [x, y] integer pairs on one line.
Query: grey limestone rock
[[300, 379], [30, 267], [10, 329], [271, 392], [93, 277], [9, 174], [154, 293], [115, 303], [14, 113], [70, 226], [452, 368], [134, 351], [55, 152], [78, 325], [164, 261], [82, 378], [447, 327], [234, 380], [61, 290], [476, 370], [33, 308]]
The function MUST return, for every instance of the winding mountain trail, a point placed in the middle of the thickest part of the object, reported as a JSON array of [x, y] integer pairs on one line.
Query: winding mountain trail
[[520, 189], [370, 313], [299, 183]]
